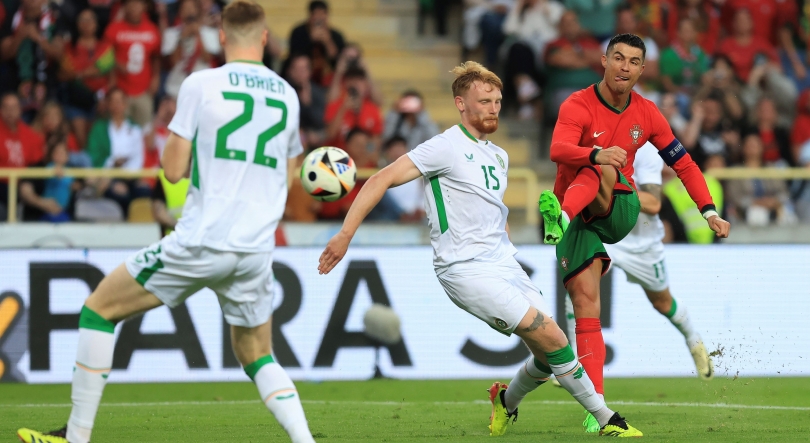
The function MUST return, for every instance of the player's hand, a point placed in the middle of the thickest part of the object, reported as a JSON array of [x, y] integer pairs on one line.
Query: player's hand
[[612, 156], [719, 226], [333, 253]]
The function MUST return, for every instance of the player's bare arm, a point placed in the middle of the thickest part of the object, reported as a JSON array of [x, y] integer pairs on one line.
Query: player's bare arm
[[650, 197], [176, 158], [401, 171]]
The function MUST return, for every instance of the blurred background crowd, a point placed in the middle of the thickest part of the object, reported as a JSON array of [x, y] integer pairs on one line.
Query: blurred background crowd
[[92, 83]]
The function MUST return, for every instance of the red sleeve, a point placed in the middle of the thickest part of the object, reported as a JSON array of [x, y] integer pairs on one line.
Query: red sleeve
[[33, 146], [675, 155], [109, 34], [568, 131]]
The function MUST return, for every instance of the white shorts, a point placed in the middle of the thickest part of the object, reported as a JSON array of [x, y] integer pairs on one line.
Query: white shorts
[[500, 294], [242, 281], [646, 268]]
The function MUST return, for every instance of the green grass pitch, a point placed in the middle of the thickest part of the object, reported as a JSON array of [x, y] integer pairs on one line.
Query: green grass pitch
[[666, 410]]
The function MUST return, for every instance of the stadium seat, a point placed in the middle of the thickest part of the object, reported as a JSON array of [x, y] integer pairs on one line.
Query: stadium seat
[[98, 209], [140, 211]]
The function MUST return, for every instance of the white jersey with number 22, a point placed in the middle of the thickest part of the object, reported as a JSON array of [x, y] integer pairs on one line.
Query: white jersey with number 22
[[243, 119]]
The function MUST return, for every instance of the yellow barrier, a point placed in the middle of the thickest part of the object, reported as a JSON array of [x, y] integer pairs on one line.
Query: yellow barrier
[[13, 175]]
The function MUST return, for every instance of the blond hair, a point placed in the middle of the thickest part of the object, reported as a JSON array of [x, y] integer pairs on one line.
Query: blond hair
[[469, 72], [243, 20]]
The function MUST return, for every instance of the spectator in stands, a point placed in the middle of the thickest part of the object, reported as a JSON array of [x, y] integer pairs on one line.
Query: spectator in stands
[[744, 48], [759, 201], [118, 143], [357, 146], [794, 34], [409, 197], [651, 16], [766, 80], [531, 24], [627, 23], [188, 47], [316, 38], [311, 96], [483, 23], [33, 38], [211, 13], [684, 62], [58, 188], [598, 17], [721, 82], [682, 220], [767, 13], [437, 9], [353, 109], [775, 137], [157, 132], [409, 120], [20, 146], [352, 57], [51, 123], [705, 16], [709, 131], [136, 42], [573, 62], [86, 72], [800, 135], [671, 111]]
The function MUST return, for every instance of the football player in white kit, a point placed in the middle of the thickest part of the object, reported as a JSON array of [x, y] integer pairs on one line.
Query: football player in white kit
[[465, 176], [236, 125], [641, 256]]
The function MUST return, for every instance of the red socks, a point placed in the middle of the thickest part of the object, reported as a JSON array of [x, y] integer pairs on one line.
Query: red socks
[[582, 191], [591, 350]]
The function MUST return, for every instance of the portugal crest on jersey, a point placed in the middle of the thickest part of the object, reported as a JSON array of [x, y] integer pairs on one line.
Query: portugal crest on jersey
[[636, 132]]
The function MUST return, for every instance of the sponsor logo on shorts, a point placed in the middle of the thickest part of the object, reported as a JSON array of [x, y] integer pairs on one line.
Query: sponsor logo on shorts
[[564, 263], [500, 323], [636, 132]]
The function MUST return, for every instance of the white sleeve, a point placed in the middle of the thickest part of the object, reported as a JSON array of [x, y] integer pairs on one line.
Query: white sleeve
[[294, 147], [433, 157], [189, 101], [648, 165]]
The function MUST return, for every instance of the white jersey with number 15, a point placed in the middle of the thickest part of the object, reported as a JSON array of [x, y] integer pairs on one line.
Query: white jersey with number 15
[[243, 120]]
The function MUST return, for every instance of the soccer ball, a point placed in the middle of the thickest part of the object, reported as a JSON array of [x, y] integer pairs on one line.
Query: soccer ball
[[328, 174]]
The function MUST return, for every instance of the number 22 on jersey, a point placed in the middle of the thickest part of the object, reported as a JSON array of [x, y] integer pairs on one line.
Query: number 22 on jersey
[[223, 152]]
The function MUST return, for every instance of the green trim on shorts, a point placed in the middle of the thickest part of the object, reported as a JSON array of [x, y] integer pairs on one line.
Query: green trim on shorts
[[89, 319], [252, 369], [541, 367], [561, 356], [441, 213], [147, 273]]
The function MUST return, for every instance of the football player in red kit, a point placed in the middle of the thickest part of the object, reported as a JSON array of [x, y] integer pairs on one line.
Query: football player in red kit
[[594, 200]]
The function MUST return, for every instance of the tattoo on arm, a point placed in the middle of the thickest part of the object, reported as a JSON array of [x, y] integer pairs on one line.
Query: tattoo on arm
[[655, 190], [539, 321]]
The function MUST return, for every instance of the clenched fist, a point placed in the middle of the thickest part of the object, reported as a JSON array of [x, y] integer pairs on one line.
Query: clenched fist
[[612, 156]]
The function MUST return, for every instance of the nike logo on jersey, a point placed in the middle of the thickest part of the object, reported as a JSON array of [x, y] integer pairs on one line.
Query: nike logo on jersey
[[597, 134]]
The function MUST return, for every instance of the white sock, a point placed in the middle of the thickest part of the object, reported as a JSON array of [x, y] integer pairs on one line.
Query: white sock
[[570, 323], [527, 379], [679, 317], [575, 380], [279, 395], [93, 362]]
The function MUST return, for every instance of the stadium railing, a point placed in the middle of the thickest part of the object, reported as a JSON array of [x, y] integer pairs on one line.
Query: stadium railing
[[524, 176]]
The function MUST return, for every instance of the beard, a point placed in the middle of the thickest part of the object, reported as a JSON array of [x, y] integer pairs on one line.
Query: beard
[[486, 125]]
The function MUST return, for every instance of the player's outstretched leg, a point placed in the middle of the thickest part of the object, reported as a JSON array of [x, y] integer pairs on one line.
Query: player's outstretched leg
[[117, 297], [252, 349], [679, 317], [552, 354]]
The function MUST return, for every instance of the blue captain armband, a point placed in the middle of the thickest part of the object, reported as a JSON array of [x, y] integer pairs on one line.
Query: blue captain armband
[[672, 153]]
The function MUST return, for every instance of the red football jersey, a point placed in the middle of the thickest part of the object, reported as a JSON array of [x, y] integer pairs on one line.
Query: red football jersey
[[587, 121], [134, 46]]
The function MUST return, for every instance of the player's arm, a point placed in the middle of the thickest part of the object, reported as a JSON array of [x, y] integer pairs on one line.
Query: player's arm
[[176, 158], [650, 197], [401, 171], [675, 156], [565, 149]]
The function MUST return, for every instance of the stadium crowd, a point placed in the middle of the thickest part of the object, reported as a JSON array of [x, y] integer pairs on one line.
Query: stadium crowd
[[91, 83]]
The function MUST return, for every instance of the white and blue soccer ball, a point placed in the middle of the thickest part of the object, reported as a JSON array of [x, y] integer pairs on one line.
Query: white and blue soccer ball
[[328, 174]]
